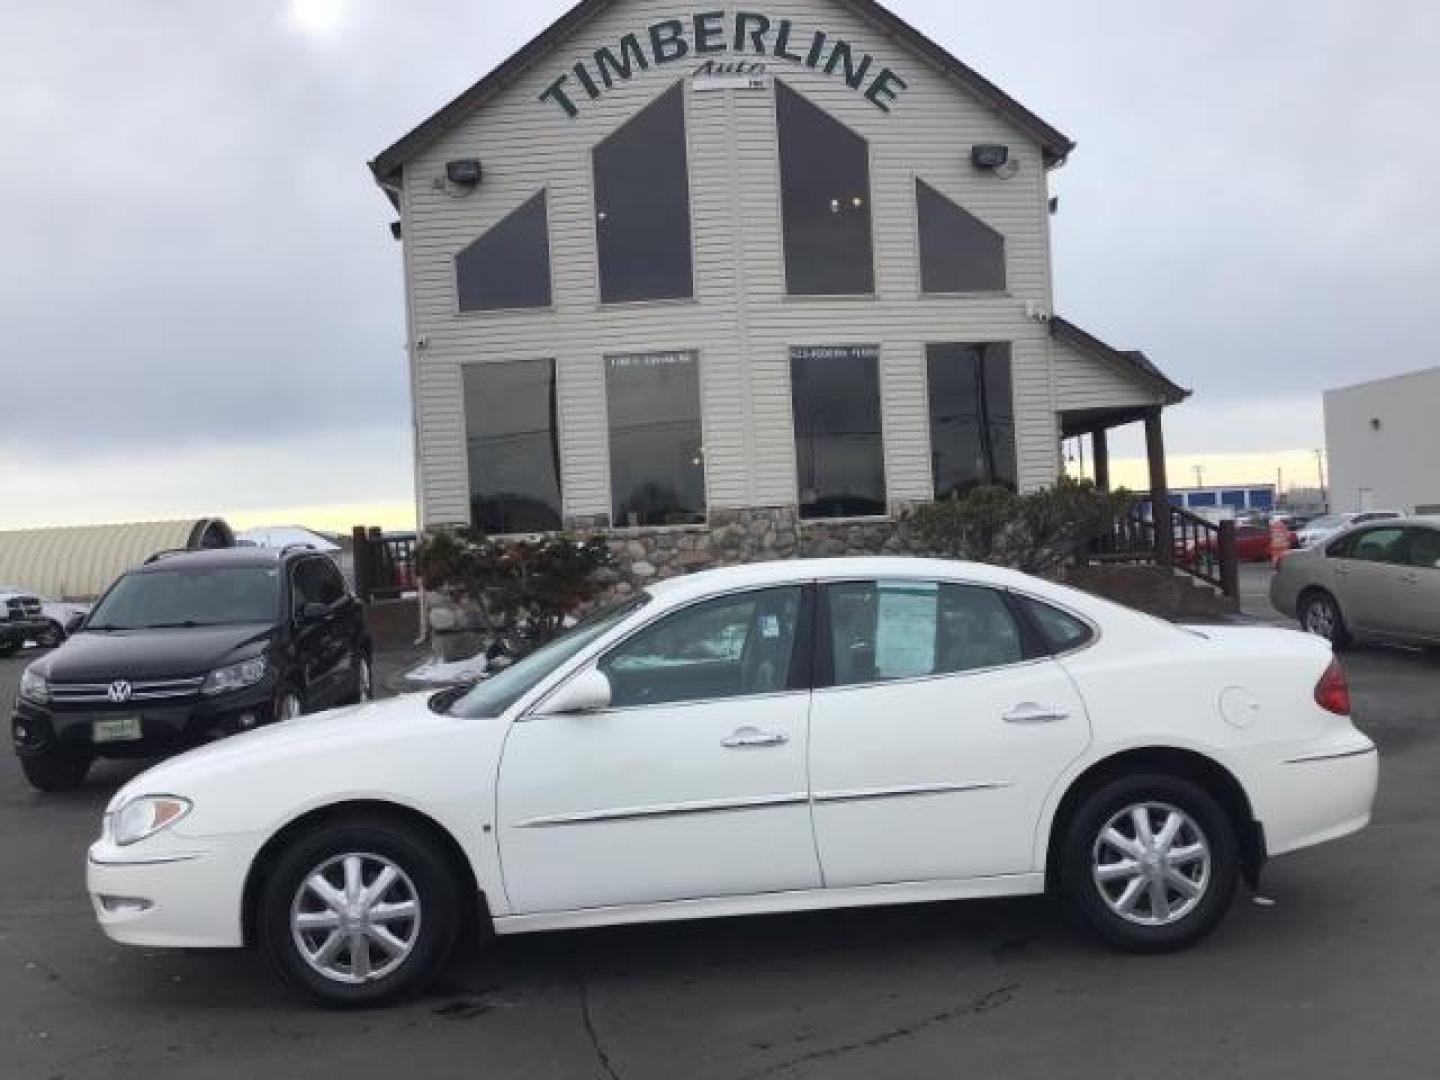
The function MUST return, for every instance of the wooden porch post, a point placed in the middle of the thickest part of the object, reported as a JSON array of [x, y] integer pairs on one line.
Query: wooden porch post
[[1159, 488], [1100, 443]]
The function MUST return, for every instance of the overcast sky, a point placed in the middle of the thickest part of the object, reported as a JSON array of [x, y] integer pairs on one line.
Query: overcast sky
[[201, 306]]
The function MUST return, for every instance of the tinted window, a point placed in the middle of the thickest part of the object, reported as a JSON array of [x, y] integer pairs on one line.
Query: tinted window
[[1378, 545], [911, 629], [657, 472], [215, 596], [825, 197], [508, 267], [722, 648], [1422, 548], [1062, 632], [839, 450], [642, 205], [958, 251], [317, 582], [512, 446], [972, 417]]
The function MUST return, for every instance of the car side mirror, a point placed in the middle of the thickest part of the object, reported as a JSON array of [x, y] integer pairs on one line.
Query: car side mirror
[[314, 612], [587, 692]]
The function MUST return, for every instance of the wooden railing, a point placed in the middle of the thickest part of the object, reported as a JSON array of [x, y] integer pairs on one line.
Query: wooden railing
[[1197, 546]]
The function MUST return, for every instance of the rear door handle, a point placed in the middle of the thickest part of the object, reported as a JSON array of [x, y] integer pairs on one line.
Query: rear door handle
[[1031, 713], [745, 737]]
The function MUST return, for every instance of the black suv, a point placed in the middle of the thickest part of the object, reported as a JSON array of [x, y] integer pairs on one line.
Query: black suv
[[191, 647]]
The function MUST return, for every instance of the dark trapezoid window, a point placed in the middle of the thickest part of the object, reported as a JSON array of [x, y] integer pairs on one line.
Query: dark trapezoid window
[[509, 266], [642, 205], [825, 196], [958, 252]]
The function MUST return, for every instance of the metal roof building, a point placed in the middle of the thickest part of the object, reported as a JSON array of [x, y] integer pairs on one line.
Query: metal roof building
[[80, 562]]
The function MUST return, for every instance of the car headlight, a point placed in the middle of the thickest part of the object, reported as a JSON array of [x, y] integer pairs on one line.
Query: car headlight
[[145, 816], [234, 676], [34, 686]]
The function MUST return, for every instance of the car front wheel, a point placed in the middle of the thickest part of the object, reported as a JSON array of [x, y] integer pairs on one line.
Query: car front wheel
[[360, 912], [1320, 615], [1150, 862]]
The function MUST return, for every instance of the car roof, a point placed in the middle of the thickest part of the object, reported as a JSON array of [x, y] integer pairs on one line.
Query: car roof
[[212, 558], [785, 571]]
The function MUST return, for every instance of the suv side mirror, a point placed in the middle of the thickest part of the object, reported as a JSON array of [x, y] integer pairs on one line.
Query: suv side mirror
[[586, 693], [313, 612]]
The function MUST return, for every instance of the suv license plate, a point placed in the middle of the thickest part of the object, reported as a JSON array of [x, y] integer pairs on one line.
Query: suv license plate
[[118, 729]]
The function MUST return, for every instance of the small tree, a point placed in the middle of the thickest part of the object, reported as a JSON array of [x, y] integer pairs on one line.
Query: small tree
[[522, 587], [1034, 532]]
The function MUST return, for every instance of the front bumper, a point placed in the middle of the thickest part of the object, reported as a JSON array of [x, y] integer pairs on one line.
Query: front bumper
[[165, 728], [175, 894]]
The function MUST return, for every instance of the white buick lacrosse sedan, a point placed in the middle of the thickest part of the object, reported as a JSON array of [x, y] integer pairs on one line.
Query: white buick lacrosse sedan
[[766, 738]]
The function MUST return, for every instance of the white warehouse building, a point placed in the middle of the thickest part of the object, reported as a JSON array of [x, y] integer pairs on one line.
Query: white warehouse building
[[1382, 440], [728, 284]]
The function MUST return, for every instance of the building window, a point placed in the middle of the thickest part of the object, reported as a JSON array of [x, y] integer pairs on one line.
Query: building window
[[839, 449], [657, 466], [958, 252], [642, 205], [512, 443], [825, 197], [508, 267], [972, 417]]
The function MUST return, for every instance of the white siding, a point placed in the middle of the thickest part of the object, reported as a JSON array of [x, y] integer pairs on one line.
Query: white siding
[[1085, 382], [741, 322]]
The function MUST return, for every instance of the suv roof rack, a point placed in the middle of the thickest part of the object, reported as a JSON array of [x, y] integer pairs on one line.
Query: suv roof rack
[[166, 554]]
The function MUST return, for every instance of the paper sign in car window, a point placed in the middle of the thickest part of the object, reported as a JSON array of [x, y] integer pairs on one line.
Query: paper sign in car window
[[905, 630]]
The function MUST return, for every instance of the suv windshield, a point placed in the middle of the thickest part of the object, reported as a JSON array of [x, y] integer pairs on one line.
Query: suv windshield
[[214, 596], [493, 696]]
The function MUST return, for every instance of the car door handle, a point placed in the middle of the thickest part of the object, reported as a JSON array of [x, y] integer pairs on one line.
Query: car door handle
[[748, 736], [1031, 713]]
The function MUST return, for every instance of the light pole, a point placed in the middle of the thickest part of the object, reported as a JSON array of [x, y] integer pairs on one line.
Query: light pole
[[1320, 468], [1200, 476]]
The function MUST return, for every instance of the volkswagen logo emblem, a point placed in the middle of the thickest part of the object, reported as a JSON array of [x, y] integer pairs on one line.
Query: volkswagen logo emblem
[[119, 691]]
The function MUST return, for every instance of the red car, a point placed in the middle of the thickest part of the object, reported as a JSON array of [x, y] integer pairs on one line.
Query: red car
[[1252, 544]]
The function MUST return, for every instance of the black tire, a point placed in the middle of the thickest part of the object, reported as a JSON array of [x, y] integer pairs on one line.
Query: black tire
[[56, 770], [1083, 848], [364, 681], [278, 705], [53, 636], [436, 887], [1317, 609]]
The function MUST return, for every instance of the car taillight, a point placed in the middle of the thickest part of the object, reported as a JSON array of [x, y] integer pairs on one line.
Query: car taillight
[[1332, 692]]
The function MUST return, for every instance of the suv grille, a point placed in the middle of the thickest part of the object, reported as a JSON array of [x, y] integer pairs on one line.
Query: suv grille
[[22, 609], [168, 690]]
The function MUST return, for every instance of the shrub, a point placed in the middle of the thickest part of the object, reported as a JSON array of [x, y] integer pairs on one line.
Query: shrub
[[523, 587], [1034, 532]]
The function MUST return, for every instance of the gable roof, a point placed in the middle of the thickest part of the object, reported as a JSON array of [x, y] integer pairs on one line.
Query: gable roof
[[1132, 362], [1054, 145]]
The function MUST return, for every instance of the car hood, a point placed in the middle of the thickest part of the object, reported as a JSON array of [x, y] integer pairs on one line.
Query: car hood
[[99, 656]]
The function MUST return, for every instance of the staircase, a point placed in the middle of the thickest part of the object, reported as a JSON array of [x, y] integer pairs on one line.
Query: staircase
[[1179, 565]]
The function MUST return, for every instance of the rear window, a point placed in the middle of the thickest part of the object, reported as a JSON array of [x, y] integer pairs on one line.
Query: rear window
[[1062, 632]]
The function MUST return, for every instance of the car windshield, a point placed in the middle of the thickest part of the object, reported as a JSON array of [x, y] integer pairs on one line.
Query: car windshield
[[212, 596], [493, 696]]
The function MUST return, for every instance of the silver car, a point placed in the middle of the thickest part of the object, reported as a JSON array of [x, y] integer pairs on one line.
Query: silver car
[[1380, 580]]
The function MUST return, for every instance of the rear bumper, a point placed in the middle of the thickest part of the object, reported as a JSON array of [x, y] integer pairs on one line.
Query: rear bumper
[[1317, 792], [165, 729], [180, 895]]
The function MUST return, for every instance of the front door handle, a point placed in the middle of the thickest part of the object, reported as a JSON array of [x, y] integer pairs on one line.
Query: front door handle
[[745, 737], [1031, 713]]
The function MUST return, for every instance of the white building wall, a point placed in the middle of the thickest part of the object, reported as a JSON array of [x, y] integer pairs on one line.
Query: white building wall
[[741, 322], [1392, 466]]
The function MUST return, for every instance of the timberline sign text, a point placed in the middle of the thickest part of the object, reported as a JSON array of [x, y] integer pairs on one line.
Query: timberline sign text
[[743, 34]]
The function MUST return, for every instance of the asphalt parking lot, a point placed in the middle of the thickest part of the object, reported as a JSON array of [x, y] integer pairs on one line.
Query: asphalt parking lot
[[1338, 977]]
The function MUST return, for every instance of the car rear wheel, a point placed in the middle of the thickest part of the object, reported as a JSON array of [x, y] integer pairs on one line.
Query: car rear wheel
[[360, 912], [1150, 863], [56, 769], [1320, 615]]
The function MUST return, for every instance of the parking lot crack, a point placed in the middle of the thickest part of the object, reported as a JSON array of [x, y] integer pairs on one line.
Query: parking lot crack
[[987, 1002], [607, 1067]]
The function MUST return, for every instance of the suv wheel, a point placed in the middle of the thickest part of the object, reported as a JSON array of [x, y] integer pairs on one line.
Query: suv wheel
[[288, 704], [1150, 862], [56, 769], [364, 688], [360, 912]]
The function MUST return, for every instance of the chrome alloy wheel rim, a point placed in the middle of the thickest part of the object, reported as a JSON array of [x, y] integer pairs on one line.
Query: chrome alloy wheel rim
[[362, 672], [288, 708], [1151, 863], [355, 918], [1319, 619]]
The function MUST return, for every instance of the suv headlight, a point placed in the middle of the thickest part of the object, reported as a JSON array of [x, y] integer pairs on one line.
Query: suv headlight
[[234, 676], [34, 686], [145, 816]]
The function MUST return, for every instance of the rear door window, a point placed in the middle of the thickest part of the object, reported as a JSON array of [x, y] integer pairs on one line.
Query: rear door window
[[1062, 631], [1422, 548]]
